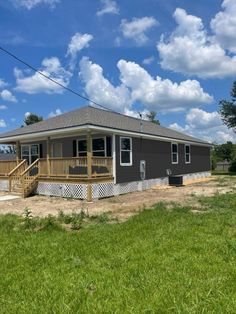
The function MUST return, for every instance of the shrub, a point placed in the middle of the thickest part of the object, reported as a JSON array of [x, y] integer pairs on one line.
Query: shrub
[[27, 215], [232, 167]]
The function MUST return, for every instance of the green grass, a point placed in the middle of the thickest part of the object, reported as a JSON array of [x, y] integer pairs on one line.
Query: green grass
[[159, 261]]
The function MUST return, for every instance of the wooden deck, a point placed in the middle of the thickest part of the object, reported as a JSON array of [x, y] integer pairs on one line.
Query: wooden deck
[[23, 178]]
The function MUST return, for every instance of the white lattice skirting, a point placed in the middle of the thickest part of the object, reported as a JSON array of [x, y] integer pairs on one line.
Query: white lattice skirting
[[4, 185], [107, 189]]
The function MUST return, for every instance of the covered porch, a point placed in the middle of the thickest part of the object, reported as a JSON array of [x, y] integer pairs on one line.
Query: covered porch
[[48, 159]]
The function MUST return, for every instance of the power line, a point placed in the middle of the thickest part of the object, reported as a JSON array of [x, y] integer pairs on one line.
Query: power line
[[52, 80]]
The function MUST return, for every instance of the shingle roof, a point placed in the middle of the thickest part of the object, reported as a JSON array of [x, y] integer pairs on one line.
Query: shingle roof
[[98, 117]]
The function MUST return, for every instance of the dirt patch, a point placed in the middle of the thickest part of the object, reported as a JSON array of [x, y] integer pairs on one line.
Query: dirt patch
[[123, 206]]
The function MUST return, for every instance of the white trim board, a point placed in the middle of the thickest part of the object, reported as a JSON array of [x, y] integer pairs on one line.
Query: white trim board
[[97, 128]]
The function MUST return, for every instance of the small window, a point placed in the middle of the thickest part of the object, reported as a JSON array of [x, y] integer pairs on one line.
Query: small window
[[187, 154], [174, 153], [126, 151]]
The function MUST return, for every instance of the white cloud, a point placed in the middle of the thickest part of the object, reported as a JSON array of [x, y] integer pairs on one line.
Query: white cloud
[[160, 94], [27, 114], [2, 83], [224, 25], [77, 43], [30, 4], [100, 90], [7, 96], [3, 107], [55, 113], [136, 28], [136, 114], [108, 7], [2, 123], [36, 83], [137, 85], [205, 125], [148, 61], [191, 51]]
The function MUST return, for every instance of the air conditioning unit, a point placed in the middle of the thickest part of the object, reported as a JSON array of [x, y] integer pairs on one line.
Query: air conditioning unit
[[176, 180]]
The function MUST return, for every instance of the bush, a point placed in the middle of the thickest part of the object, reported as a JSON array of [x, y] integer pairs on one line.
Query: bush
[[232, 167]]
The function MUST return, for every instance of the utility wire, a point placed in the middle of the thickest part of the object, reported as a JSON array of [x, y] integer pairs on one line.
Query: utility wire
[[52, 80]]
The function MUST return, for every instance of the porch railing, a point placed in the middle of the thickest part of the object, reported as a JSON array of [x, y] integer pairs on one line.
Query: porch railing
[[6, 166], [75, 167], [60, 167]]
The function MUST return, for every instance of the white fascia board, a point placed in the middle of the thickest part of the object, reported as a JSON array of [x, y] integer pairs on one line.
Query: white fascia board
[[56, 133]]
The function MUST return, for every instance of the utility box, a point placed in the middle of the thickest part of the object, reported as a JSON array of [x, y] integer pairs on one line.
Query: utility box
[[176, 180], [142, 169]]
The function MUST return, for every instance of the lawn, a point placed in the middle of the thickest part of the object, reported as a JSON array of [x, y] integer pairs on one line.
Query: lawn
[[163, 260]]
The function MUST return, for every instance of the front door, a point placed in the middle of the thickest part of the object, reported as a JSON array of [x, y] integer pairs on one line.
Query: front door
[[56, 150], [30, 152]]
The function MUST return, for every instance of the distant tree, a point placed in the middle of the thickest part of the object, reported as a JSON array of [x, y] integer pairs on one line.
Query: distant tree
[[228, 110], [225, 151], [32, 118], [152, 117]]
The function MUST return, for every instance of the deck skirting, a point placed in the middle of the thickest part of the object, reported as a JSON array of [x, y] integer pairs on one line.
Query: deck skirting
[[102, 189]]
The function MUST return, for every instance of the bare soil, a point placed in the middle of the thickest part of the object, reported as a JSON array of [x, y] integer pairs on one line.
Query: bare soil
[[123, 206]]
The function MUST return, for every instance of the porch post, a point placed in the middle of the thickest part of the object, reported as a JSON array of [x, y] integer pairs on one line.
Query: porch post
[[18, 154], [48, 156], [89, 165]]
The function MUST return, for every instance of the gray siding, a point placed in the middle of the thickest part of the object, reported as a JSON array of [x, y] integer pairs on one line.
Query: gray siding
[[158, 158]]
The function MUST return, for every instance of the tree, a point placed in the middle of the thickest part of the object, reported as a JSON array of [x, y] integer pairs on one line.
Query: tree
[[225, 151], [228, 110], [32, 118], [151, 116]]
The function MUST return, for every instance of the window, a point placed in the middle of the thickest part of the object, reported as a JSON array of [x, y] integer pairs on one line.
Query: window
[[126, 151], [98, 147], [30, 152], [187, 154], [174, 153]]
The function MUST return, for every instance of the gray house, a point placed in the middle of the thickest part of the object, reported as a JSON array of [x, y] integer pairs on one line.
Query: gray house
[[93, 153]]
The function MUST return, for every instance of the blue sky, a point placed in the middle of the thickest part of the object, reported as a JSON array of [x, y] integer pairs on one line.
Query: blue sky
[[175, 57]]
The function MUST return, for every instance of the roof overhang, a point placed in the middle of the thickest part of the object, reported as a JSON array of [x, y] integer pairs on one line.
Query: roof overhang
[[70, 131]]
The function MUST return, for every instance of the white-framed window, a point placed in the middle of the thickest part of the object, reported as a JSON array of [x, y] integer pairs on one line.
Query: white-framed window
[[174, 153], [126, 151], [30, 152], [187, 154], [98, 147]]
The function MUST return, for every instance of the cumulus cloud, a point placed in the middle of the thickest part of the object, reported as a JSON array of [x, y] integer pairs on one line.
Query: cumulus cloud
[[205, 125], [2, 123], [160, 94], [7, 96], [148, 61], [3, 107], [137, 85], [191, 51], [108, 7], [2, 83], [36, 83], [55, 113], [224, 25], [100, 90], [136, 28], [77, 43], [30, 4]]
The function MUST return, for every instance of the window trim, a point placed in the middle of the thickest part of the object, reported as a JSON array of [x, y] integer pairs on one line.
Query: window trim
[[131, 151], [185, 154], [93, 138], [174, 162]]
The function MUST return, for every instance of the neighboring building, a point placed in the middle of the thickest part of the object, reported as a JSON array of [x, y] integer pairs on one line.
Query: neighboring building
[[93, 153], [6, 156], [222, 165]]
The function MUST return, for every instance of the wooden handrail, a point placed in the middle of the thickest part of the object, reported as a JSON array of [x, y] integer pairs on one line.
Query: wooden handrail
[[30, 167], [17, 167]]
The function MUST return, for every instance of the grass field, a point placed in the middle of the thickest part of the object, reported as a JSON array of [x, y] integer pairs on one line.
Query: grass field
[[160, 261]]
